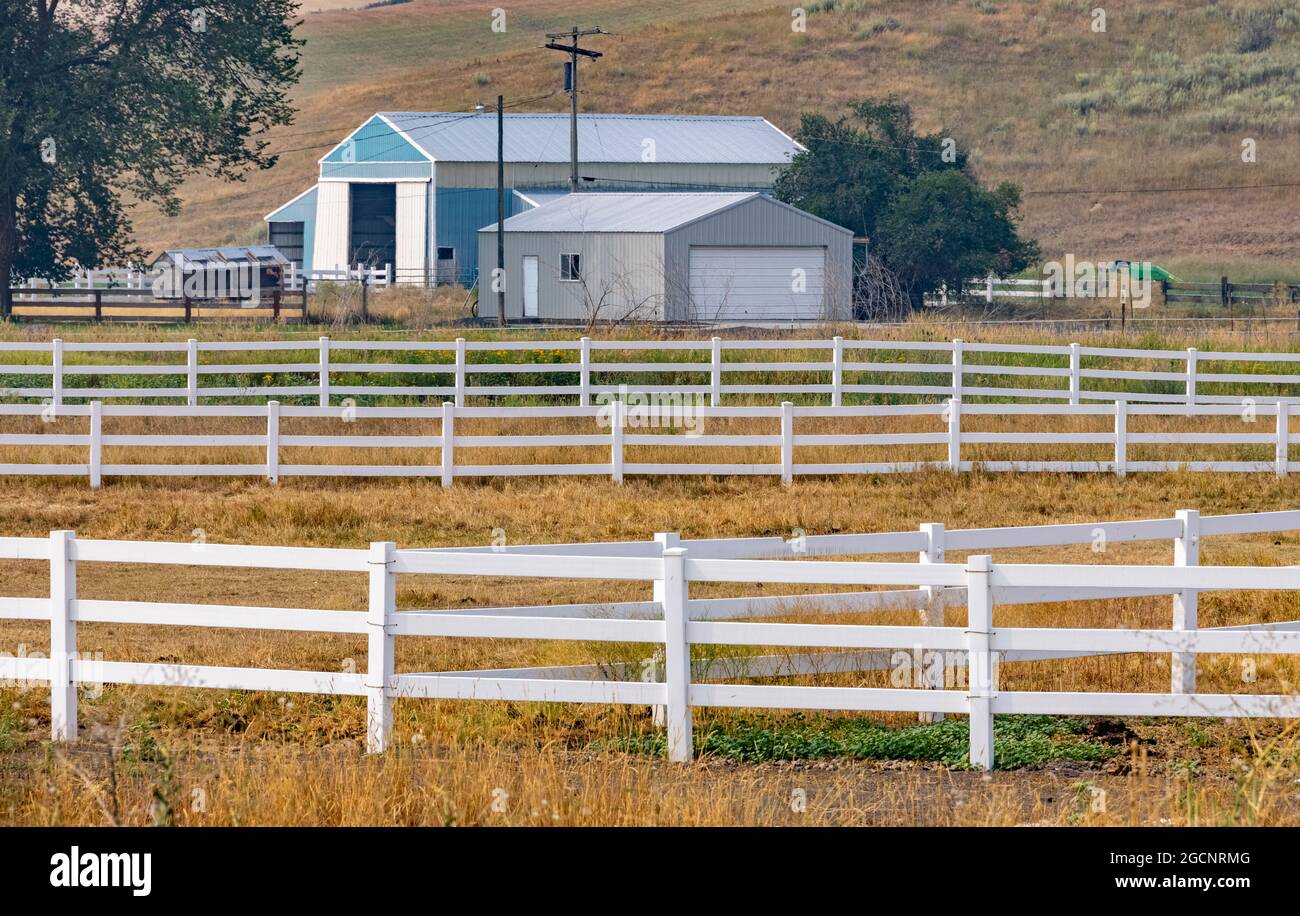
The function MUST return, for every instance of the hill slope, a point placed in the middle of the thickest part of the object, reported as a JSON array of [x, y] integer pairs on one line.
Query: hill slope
[[1163, 99]]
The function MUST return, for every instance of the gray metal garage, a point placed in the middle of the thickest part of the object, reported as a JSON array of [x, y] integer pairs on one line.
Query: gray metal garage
[[669, 257]]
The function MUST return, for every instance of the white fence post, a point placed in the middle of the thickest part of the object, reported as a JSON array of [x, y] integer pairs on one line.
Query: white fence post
[[715, 373], [1282, 451], [63, 637], [954, 434], [273, 441], [324, 372], [192, 372], [988, 289], [958, 360], [1076, 378], [460, 371], [1191, 375], [380, 645], [677, 656], [1187, 552], [616, 419], [932, 611], [837, 373], [979, 660], [1121, 438], [96, 462], [787, 443], [584, 373], [448, 443], [667, 540], [56, 378]]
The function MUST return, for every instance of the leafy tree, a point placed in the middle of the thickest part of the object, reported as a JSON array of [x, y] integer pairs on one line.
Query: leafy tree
[[941, 227], [108, 103], [913, 195]]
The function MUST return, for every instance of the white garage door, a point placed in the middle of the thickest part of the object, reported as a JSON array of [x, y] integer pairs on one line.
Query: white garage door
[[757, 284]]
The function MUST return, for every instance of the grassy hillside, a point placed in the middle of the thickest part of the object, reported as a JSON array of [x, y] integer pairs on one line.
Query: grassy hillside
[[1162, 99]]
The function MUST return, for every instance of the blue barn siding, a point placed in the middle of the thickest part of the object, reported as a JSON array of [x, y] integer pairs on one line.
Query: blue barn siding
[[302, 210], [376, 141], [458, 216]]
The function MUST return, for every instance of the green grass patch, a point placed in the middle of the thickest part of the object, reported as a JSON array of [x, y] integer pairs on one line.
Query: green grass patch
[[1019, 741]]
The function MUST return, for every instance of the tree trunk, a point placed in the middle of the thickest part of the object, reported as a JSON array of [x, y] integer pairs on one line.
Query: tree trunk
[[8, 248]]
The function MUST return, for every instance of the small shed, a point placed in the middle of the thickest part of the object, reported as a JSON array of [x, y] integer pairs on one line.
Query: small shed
[[266, 263], [664, 256]]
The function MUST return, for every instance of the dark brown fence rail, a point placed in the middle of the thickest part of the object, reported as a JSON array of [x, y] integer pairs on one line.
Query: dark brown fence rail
[[142, 305], [1225, 294]]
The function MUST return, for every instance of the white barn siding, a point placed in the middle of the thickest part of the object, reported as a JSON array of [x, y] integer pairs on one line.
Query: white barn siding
[[412, 230], [333, 225]]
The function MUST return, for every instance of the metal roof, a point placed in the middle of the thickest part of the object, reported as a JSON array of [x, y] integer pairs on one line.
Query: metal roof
[[619, 212], [259, 254], [544, 137]]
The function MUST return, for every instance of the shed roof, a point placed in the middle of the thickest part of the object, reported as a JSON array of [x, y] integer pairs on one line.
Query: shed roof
[[249, 254], [619, 212], [544, 137]]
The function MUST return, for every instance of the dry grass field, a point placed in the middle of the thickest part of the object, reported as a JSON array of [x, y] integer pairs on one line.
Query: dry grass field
[[189, 756], [1162, 99]]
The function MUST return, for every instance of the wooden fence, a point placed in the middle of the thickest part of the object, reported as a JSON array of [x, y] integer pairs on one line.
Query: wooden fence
[[675, 623], [1226, 294], [844, 369], [615, 428], [141, 304]]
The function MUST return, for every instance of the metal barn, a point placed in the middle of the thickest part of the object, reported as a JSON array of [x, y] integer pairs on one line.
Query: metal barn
[[735, 256], [413, 188]]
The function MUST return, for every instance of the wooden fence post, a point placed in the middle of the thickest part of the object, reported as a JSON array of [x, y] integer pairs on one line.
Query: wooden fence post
[[95, 464], [273, 441], [667, 540], [1076, 378], [953, 411], [1282, 449], [63, 637], [448, 443], [677, 656], [616, 420], [979, 660], [192, 372], [787, 443], [1187, 552], [56, 377], [837, 373], [460, 371], [1121, 438], [99, 307], [380, 645], [324, 372], [932, 611], [1190, 395], [584, 372], [715, 373]]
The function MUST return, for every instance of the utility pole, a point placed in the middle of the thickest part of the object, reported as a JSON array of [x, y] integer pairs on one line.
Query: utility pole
[[500, 278], [571, 86]]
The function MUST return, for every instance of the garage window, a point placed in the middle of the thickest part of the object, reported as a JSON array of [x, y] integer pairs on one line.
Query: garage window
[[570, 268]]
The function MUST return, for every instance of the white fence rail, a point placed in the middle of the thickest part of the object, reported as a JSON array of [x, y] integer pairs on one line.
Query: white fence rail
[[939, 369], [377, 277], [676, 622], [616, 426]]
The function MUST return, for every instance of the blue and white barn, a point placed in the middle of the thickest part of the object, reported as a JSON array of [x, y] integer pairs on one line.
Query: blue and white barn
[[412, 189]]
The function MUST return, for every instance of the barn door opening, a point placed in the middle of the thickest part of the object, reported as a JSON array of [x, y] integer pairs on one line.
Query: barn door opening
[[530, 286], [374, 224]]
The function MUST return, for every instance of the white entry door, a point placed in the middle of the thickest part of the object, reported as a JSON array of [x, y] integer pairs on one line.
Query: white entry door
[[530, 286]]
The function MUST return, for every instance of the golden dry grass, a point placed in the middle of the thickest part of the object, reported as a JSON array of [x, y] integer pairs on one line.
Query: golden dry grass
[[266, 758], [1003, 79]]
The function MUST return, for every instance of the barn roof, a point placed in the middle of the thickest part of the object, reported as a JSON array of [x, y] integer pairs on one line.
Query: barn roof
[[605, 211], [544, 137]]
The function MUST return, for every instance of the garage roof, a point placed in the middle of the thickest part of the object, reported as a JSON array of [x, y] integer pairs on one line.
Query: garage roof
[[544, 137], [602, 211]]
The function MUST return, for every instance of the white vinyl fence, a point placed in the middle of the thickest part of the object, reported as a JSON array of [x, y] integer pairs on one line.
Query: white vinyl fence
[[846, 368], [618, 427], [674, 622]]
